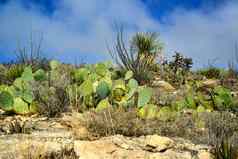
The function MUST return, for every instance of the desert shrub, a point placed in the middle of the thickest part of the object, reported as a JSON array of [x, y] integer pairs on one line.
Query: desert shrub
[[16, 127], [222, 130], [180, 65], [50, 94], [51, 101], [31, 151], [177, 70], [128, 123], [144, 48], [3, 71], [210, 72], [118, 121], [222, 99], [13, 72]]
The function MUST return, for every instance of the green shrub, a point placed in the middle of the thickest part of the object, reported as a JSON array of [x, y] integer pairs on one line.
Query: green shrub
[[222, 99], [180, 66], [211, 72]]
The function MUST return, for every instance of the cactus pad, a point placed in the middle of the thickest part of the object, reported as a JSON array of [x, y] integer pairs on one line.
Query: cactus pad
[[6, 101]]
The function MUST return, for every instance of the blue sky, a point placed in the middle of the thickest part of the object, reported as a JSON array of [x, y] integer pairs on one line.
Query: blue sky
[[79, 30]]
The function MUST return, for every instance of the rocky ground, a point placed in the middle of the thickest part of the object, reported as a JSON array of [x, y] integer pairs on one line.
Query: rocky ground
[[66, 136]]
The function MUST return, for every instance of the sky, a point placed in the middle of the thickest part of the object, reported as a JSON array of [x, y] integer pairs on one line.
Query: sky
[[81, 30]]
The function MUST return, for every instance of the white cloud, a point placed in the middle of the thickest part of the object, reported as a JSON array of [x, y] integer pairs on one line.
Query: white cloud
[[80, 28], [77, 28], [204, 36]]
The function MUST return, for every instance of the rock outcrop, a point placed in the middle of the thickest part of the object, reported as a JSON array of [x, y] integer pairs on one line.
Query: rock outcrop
[[54, 137]]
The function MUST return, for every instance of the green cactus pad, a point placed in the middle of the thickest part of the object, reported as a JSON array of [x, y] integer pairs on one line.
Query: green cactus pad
[[148, 111], [86, 88], [28, 96], [223, 98], [27, 75], [23, 90], [119, 84], [118, 94], [128, 75], [103, 89], [108, 64], [103, 104], [133, 84], [54, 64], [93, 77], [190, 102], [40, 75], [101, 69], [6, 101], [201, 109], [21, 107], [81, 74], [3, 87], [166, 113], [144, 97]]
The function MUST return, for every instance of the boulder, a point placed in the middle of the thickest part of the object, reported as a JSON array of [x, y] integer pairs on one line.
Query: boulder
[[210, 83], [157, 143], [164, 86]]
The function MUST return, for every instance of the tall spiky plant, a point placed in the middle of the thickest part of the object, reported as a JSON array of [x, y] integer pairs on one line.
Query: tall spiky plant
[[141, 54]]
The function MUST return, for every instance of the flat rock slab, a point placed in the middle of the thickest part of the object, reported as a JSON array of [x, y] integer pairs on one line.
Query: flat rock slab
[[50, 136]]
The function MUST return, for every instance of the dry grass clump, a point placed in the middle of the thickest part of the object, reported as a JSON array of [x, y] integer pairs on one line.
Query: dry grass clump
[[223, 134], [127, 123], [119, 121], [200, 128], [17, 126], [30, 151]]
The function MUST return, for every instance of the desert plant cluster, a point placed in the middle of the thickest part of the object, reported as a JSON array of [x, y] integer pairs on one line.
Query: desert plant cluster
[[138, 93]]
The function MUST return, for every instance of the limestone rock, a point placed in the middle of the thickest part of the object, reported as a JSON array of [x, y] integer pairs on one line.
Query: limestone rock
[[157, 143], [204, 155], [210, 83], [164, 86]]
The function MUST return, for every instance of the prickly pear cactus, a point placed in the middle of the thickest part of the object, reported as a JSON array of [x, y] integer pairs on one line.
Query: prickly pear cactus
[[128, 75], [190, 102], [101, 69], [166, 113], [6, 101], [81, 74], [54, 64], [27, 75], [144, 96], [103, 104], [148, 111], [23, 90], [103, 89], [201, 109], [23, 108], [132, 86], [223, 98], [40, 75], [86, 88]]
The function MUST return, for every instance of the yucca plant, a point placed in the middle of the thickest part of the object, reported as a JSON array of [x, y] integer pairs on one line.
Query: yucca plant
[[140, 56]]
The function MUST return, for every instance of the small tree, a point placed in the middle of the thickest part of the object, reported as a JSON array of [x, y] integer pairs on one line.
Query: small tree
[[140, 56], [180, 66]]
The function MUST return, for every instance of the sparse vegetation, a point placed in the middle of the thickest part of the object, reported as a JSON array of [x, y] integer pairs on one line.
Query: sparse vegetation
[[122, 99], [139, 58]]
